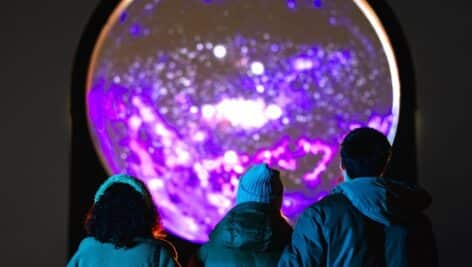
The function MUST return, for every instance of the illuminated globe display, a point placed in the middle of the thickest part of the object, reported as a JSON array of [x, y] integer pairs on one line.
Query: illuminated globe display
[[187, 94]]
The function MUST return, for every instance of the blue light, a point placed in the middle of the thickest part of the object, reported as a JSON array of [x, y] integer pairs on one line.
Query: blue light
[[292, 4], [123, 17], [136, 30]]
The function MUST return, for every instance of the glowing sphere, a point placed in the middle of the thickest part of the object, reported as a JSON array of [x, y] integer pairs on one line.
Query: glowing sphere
[[187, 94]]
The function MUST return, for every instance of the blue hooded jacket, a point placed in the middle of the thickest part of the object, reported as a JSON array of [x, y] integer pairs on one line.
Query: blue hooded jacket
[[365, 222]]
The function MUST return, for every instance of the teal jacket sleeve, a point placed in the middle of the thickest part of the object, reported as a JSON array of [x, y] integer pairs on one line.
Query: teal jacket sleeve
[[74, 262], [308, 245]]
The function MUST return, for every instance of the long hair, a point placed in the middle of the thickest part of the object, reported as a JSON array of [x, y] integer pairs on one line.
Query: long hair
[[122, 215]]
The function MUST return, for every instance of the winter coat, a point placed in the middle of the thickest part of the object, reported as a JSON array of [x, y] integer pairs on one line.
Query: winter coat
[[251, 234], [365, 222], [146, 252]]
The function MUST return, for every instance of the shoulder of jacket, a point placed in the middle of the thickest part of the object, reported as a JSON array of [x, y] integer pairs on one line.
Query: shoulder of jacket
[[335, 202], [88, 242], [202, 252], [166, 246]]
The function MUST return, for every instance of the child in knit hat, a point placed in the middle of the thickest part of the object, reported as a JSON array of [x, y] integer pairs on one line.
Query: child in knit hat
[[260, 184], [254, 232]]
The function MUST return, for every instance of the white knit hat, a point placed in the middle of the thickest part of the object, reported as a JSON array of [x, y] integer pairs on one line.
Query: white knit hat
[[259, 184]]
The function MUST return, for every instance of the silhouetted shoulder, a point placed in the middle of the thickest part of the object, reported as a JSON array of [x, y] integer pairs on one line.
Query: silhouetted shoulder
[[331, 206], [167, 246], [332, 201]]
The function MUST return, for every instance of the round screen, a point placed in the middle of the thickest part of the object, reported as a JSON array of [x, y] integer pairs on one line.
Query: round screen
[[187, 94]]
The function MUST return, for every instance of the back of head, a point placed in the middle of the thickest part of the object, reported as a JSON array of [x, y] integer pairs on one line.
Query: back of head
[[365, 152], [260, 184], [121, 214]]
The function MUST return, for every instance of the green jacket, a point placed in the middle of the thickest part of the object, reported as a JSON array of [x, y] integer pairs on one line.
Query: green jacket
[[251, 234]]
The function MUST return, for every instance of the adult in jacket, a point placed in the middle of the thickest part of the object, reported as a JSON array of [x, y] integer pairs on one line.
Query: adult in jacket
[[368, 220], [254, 232]]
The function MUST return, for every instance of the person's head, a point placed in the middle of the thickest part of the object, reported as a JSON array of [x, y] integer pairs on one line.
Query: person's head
[[260, 184], [122, 212], [365, 152]]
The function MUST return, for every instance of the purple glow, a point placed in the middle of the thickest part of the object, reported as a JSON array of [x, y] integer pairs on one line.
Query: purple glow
[[292, 4], [136, 30], [302, 64], [189, 110], [123, 17], [382, 124]]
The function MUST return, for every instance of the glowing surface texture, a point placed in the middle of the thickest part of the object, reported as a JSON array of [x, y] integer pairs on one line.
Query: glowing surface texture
[[187, 94]]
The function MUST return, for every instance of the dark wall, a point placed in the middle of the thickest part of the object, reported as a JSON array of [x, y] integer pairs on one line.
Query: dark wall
[[440, 41], [38, 43]]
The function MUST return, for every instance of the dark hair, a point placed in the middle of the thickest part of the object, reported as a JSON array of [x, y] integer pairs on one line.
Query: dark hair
[[365, 152], [121, 215]]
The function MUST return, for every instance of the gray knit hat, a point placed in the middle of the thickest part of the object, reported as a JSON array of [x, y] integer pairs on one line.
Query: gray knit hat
[[260, 184]]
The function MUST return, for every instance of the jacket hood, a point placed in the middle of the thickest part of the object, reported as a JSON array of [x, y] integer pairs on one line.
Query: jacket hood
[[252, 226], [385, 200]]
